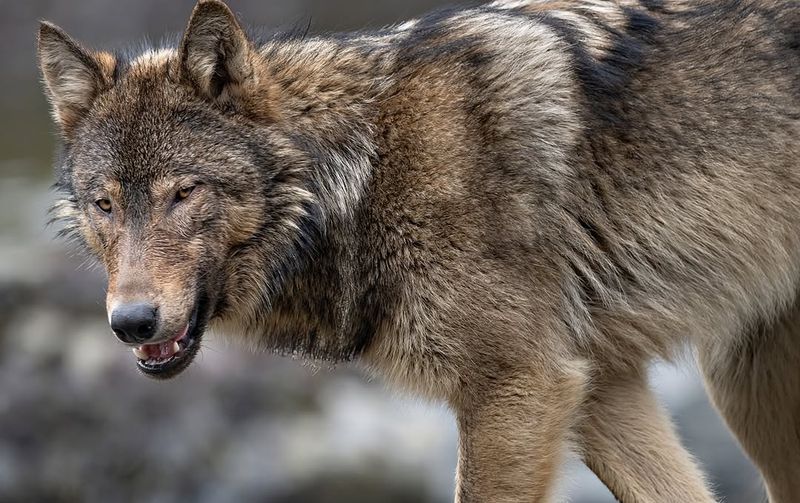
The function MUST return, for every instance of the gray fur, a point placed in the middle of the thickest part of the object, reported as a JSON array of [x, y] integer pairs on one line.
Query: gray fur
[[511, 208]]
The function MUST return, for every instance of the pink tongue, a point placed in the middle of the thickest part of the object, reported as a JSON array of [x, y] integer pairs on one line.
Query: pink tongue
[[161, 351]]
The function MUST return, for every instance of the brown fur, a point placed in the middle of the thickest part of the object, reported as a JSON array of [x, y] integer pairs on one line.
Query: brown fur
[[512, 208]]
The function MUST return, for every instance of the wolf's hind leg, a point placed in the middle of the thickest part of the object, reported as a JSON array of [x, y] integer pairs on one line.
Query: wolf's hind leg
[[629, 443], [754, 380]]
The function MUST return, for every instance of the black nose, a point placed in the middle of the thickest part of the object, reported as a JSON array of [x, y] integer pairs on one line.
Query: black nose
[[134, 323]]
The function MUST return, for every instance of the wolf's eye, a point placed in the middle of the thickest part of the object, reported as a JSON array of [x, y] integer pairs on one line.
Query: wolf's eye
[[183, 193], [104, 204]]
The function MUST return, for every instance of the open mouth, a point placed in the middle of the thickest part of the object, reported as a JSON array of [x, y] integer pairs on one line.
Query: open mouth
[[167, 359]]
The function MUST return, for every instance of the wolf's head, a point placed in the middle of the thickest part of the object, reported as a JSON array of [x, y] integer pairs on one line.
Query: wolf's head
[[181, 176]]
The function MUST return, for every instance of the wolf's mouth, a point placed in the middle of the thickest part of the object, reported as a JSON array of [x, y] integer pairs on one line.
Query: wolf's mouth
[[167, 359]]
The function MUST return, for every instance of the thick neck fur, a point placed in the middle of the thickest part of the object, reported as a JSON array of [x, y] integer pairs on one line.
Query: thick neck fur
[[378, 113], [325, 95]]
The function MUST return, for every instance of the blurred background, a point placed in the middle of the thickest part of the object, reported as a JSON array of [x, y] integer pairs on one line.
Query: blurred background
[[77, 421]]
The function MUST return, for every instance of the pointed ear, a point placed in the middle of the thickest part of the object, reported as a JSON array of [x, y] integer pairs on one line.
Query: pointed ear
[[215, 55], [73, 76]]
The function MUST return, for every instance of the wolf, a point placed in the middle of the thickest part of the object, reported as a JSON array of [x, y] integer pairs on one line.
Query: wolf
[[511, 208]]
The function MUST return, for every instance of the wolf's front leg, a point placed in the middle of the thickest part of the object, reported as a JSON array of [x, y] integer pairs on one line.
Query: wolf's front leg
[[513, 427]]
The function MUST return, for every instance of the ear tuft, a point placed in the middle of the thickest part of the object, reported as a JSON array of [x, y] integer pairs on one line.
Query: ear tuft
[[215, 54], [73, 77]]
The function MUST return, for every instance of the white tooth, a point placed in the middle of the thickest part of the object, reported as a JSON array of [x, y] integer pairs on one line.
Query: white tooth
[[140, 353], [176, 348]]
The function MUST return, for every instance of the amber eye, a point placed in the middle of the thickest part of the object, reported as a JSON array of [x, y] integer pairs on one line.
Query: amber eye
[[184, 193], [104, 204]]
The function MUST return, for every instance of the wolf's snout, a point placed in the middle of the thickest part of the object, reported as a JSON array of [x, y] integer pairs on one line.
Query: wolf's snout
[[134, 323]]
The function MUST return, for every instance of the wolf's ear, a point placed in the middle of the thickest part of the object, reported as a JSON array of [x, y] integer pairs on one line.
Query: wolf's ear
[[215, 54], [73, 76]]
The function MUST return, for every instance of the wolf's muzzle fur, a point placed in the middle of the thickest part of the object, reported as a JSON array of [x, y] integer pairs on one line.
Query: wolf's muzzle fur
[[512, 208]]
